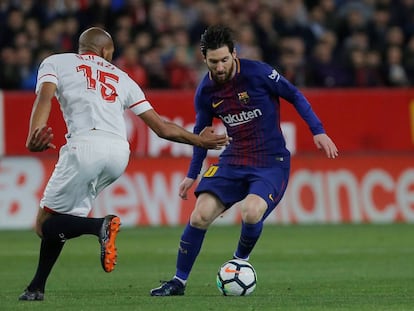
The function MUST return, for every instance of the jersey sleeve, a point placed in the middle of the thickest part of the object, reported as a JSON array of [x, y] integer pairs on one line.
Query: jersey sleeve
[[47, 73], [203, 119], [138, 103], [280, 86]]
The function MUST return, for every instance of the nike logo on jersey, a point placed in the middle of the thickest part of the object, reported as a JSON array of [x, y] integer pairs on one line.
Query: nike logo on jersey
[[271, 197], [215, 105]]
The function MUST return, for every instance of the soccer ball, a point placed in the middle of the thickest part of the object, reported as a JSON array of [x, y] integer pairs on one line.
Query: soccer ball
[[236, 278]]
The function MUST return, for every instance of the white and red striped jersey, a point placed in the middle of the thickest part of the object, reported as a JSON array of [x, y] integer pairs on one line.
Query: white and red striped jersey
[[92, 92]]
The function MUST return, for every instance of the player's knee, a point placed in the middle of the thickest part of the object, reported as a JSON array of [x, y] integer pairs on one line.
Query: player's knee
[[252, 209], [200, 221], [42, 217], [38, 230], [252, 214]]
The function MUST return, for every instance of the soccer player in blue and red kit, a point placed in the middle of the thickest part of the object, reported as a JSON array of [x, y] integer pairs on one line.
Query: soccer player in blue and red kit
[[253, 171]]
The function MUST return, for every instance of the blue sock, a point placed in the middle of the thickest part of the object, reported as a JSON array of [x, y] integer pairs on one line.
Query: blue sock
[[190, 246], [249, 235]]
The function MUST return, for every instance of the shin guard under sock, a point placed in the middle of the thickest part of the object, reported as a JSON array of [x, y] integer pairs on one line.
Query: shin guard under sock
[[190, 246], [249, 235], [49, 253]]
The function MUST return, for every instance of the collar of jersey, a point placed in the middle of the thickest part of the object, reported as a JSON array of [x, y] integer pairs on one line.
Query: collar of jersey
[[89, 53]]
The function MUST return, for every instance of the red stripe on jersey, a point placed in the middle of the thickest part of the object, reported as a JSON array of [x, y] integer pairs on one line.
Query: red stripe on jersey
[[136, 104], [48, 74], [89, 53], [50, 211]]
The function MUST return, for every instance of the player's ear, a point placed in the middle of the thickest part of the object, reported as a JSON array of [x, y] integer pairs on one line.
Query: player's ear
[[234, 54], [107, 53], [102, 52]]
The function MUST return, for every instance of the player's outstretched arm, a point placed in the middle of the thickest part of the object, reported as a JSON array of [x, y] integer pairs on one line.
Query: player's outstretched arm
[[169, 130], [325, 143], [40, 136]]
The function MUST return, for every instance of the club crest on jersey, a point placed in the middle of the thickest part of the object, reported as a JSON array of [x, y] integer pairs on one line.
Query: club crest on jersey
[[244, 98]]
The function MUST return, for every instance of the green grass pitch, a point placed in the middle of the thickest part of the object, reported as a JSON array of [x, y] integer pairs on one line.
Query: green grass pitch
[[314, 267]]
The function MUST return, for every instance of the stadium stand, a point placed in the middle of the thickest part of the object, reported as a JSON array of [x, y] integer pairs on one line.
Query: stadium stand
[[314, 43]]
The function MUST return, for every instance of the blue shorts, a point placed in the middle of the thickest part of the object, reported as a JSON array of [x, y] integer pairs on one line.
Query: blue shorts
[[232, 183]]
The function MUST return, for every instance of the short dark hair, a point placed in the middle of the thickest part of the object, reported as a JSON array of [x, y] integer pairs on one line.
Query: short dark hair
[[215, 37]]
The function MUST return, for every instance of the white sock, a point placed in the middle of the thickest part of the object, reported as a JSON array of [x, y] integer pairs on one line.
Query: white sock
[[245, 259], [184, 282]]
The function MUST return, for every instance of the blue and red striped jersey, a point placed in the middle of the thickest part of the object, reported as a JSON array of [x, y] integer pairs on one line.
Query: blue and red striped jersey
[[249, 107]]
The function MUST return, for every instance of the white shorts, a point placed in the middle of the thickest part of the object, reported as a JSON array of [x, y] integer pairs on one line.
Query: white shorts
[[87, 164]]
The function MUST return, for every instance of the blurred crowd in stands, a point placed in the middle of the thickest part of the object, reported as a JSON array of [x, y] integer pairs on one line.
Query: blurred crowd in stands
[[313, 43]]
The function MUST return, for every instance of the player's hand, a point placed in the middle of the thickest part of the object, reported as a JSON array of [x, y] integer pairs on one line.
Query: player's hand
[[40, 139], [323, 142], [213, 141], [185, 185]]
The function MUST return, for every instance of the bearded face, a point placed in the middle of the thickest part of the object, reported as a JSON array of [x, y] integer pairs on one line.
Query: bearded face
[[221, 64]]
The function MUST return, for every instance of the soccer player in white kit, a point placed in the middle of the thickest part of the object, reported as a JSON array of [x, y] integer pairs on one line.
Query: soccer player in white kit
[[93, 94]]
